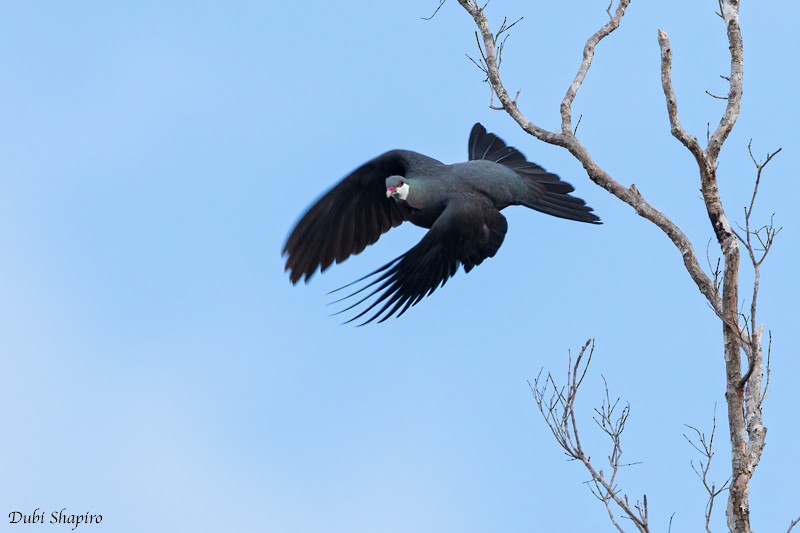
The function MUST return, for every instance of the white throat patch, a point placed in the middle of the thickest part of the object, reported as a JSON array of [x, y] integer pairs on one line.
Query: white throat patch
[[401, 192]]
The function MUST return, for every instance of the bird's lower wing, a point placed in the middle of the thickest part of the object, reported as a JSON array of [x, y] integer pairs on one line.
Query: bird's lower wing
[[469, 230]]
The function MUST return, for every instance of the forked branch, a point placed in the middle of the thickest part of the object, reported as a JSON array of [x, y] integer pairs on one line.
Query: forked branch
[[567, 139], [705, 446], [557, 406]]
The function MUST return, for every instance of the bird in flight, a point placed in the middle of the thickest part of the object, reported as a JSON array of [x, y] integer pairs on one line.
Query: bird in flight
[[460, 205]]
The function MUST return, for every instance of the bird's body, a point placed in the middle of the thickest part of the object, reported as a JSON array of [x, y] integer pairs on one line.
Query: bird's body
[[497, 183], [459, 203]]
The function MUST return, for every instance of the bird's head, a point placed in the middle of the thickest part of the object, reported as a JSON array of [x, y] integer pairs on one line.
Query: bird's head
[[396, 187]]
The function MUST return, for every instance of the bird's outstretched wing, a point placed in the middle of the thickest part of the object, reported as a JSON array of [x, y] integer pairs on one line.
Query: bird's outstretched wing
[[350, 216], [468, 231]]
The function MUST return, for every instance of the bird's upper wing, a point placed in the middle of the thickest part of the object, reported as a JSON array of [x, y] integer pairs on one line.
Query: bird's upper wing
[[350, 216], [546, 192], [468, 231], [484, 145]]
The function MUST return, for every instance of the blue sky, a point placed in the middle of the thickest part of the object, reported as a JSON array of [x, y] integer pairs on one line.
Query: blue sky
[[160, 369]]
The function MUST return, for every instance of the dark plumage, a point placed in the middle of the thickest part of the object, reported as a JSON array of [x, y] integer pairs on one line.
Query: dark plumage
[[460, 204]]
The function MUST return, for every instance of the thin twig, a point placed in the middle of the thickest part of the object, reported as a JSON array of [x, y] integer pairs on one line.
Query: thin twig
[[557, 407], [768, 371], [705, 446], [441, 3], [716, 96], [575, 131]]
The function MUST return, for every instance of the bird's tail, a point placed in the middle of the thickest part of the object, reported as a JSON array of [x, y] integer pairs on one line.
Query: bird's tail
[[547, 193]]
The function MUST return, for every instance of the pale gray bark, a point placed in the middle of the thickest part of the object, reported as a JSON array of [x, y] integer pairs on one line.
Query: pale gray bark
[[744, 394]]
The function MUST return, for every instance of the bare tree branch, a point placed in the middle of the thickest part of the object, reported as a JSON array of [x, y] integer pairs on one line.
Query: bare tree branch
[[706, 447], [730, 14], [557, 407], [566, 139], [766, 237], [441, 3], [689, 141], [588, 55], [747, 433]]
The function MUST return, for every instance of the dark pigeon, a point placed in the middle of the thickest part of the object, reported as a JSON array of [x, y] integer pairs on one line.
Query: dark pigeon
[[460, 203]]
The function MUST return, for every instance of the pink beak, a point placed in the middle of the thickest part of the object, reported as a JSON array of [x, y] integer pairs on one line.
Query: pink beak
[[390, 191]]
